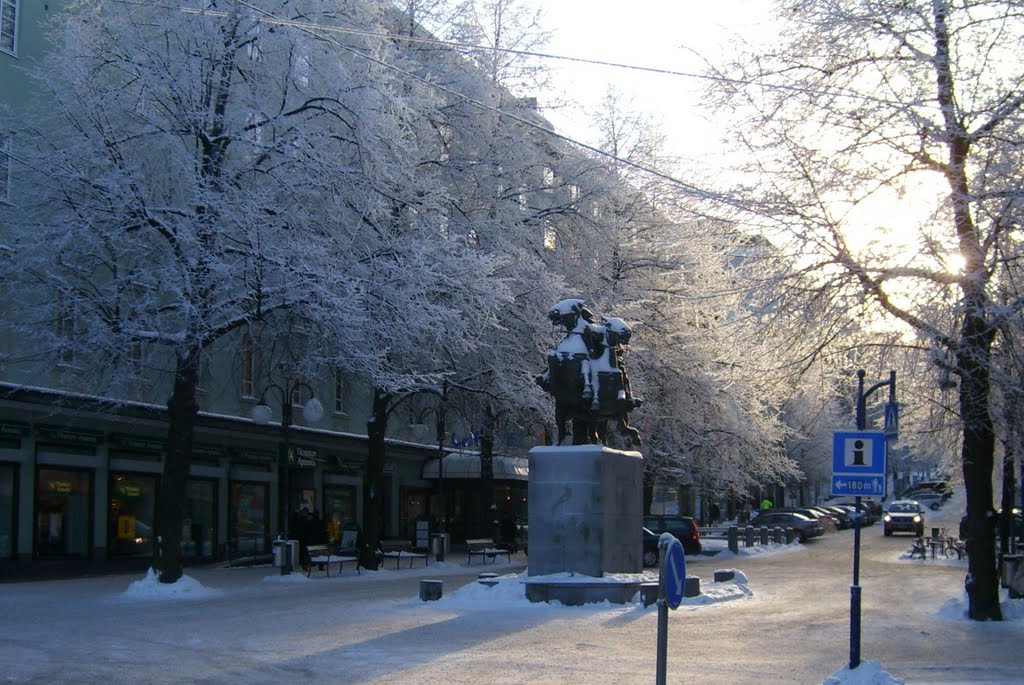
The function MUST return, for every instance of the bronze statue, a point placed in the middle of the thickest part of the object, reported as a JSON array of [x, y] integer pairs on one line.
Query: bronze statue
[[587, 377]]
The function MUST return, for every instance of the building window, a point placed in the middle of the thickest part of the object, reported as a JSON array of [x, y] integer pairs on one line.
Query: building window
[[8, 25], [248, 519], [550, 236], [132, 510], [69, 334], [199, 532], [248, 366], [63, 513], [8, 504], [339, 392], [5, 168], [339, 511]]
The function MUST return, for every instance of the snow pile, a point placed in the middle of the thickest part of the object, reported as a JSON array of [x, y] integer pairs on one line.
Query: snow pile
[[868, 673], [507, 591], [185, 587]]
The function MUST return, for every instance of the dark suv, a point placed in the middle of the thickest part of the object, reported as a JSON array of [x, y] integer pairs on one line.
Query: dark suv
[[684, 528]]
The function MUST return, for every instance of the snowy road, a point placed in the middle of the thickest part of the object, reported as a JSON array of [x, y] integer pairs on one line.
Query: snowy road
[[247, 626]]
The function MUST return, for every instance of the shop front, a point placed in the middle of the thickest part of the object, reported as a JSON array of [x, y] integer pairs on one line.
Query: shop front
[[466, 513]]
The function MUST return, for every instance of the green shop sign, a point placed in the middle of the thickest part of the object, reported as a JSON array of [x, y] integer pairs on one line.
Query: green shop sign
[[303, 456]]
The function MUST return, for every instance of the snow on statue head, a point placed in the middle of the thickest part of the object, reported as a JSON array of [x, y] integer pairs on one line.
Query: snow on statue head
[[587, 377]]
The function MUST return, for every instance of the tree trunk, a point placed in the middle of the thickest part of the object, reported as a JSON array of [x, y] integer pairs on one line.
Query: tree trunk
[[488, 526], [182, 411], [1011, 413], [373, 497], [974, 359]]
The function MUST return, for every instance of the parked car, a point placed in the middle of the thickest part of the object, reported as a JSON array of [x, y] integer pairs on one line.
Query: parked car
[[684, 528], [936, 487], [842, 514], [868, 503], [804, 526], [867, 517], [904, 516], [652, 553], [932, 500], [828, 520]]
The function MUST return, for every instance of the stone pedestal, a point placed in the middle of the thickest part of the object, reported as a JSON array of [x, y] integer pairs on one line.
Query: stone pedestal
[[586, 511]]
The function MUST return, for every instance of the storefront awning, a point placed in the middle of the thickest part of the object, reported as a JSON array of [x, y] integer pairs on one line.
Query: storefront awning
[[467, 465]]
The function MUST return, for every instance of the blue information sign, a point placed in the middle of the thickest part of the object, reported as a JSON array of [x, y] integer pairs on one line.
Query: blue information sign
[[673, 571], [858, 463]]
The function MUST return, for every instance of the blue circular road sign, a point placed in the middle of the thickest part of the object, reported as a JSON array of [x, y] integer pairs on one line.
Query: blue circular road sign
[[673, 571]]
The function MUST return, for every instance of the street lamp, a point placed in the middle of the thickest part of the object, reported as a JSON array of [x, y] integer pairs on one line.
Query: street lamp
[[442, 411], [312, 411]]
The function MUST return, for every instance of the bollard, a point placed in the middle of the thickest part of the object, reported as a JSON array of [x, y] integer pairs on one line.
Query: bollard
[[790, 536], [777, 535], [691, 586], [488, 579], [431, 590], [750, 536], [734, 539], [723, 575], [649, 593], [764, 535]]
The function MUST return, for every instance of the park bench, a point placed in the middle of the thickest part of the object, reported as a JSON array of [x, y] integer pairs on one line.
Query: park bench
[[398, 550], [321, 557], [485, 549]]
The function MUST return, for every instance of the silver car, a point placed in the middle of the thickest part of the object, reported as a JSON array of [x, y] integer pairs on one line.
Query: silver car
[[904, 516]]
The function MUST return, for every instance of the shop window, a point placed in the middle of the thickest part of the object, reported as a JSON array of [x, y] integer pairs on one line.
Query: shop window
[[339, 510], [414, 507], [132, 512], [198, 535], [248, 519], [8, 527], [63, 513]]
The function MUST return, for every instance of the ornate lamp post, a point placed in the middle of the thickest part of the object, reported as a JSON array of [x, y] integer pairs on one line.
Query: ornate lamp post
[[312, 411], [442, 412]]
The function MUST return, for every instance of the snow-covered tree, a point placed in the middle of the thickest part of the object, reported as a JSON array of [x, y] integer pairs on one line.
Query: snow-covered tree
[[230, 166], [884, 138]]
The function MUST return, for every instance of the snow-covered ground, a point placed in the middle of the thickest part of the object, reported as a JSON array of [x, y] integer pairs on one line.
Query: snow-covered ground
[[476, 606]]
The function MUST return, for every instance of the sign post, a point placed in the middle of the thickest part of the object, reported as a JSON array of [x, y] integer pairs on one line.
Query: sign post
[[858, 469], [671, 588]]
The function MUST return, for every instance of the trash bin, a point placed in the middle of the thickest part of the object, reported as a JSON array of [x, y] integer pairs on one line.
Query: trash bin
[[439, 546], [281, 548], [1013, 573]]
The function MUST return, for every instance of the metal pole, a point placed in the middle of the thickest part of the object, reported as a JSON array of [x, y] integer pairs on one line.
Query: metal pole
[[441, 503], [855, 594], [286, 422], [855, 613], [662, 653], [441, 415]]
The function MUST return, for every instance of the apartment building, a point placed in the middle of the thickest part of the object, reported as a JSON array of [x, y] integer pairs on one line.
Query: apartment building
[[79, 472]]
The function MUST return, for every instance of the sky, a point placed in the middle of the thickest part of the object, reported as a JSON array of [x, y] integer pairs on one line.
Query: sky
[[659, 34], [480, 617]]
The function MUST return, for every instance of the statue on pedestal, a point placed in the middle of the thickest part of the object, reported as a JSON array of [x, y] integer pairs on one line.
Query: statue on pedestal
[[587, 377]]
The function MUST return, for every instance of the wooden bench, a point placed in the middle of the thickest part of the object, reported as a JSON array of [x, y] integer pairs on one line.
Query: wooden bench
[[485, 549], [321, 557], [398, 550]]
